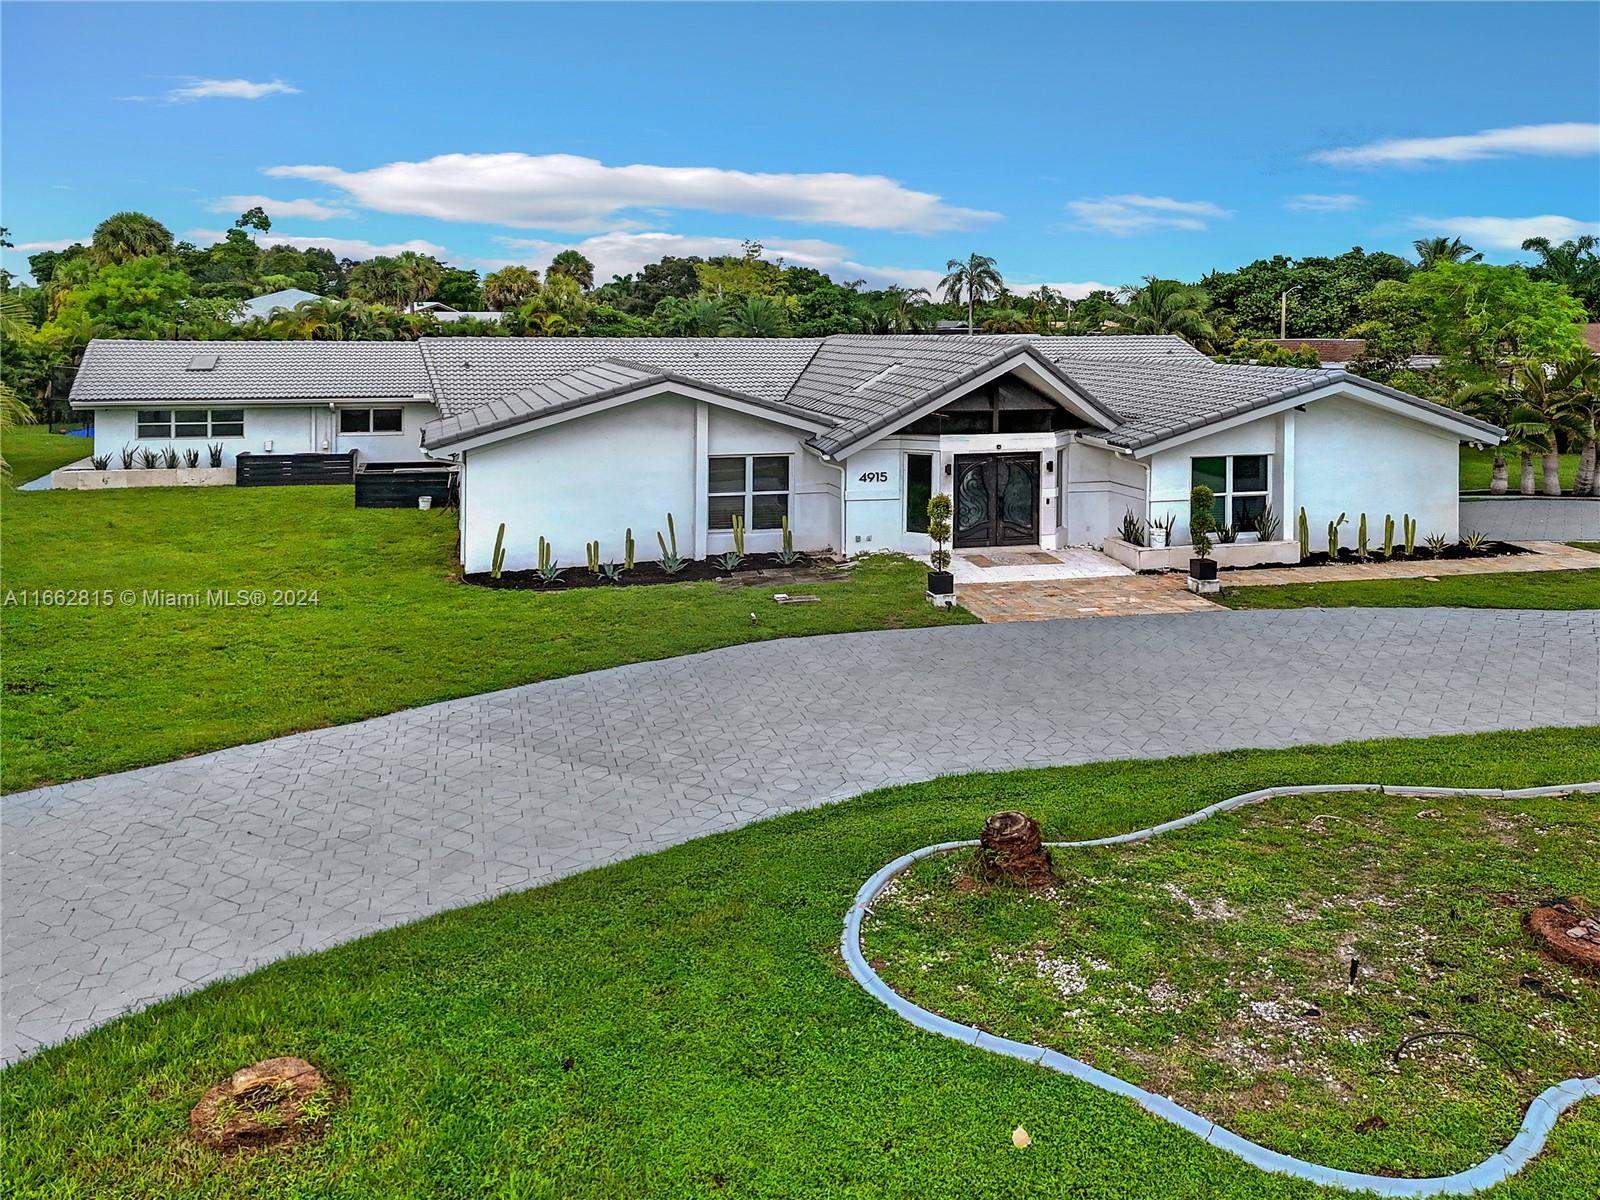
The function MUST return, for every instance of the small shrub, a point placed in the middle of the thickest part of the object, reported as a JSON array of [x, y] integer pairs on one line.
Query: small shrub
[[169, 458], [939, 530], [128, 453], [214, 453], [100, 462], [1228, 534], [149, 459], [1267, 527], [191, 458], [1201, 522]]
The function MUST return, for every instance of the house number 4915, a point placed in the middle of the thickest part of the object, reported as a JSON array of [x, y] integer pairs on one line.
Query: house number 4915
[[874, 477]]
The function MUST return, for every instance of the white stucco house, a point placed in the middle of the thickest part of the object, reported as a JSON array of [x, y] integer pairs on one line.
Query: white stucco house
[[1040, 441]]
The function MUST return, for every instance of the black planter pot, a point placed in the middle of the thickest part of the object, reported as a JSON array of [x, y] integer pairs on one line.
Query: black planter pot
[[1202, 568], [941, 583]]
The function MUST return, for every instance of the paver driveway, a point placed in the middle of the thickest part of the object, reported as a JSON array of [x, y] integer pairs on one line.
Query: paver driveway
[[126, 888]]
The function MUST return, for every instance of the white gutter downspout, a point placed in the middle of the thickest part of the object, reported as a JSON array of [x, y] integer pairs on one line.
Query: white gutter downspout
[[828, 459], [1119, 452]]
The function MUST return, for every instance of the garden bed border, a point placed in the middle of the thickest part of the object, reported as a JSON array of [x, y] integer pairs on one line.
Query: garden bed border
[[1537, 1123]]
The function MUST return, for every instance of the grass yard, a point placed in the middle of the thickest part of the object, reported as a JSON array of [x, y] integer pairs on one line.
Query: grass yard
[[1527, 589], [1477, 470], [1211, 965], [32, 451], [90, 689], [680, 1024]]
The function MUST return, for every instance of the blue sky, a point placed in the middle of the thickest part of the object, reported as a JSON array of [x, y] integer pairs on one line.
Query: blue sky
[[1078, 144]]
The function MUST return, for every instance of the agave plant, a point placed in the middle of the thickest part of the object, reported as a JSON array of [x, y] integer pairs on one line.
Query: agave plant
[[169, 458], [214, 453], [1436, 543], [149, 459], [191, 457], [100, 462], [128, 455], [612, 571], [1473, 541]]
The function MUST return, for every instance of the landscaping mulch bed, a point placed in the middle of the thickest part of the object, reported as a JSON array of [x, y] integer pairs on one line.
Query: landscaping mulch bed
[[1347, 556], [647, 574]]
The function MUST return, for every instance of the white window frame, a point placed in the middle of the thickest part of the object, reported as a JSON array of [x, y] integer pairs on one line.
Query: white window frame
[[176, 417], [1229, 493], [369, 431], [750, 493]]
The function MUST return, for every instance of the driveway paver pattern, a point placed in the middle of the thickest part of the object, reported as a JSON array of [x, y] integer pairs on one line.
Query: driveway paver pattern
[[126, 888]]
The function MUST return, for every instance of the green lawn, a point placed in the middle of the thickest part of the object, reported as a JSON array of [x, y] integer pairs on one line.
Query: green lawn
[[90, 689], [32, 451], [1477, 470], [1528, 589], [680, 1025], [1211, 965]]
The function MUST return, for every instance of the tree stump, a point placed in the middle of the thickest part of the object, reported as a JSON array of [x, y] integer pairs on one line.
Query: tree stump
[[1011, 851], [1568, 931], [256, 1105]]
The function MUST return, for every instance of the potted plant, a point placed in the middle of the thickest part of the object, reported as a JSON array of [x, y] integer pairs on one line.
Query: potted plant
[[1202, 568], [941, 584], [1161, 531]]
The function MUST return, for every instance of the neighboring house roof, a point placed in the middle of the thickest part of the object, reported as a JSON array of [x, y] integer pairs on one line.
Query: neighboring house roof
[[265, 306], [591, 384], [126, 371]]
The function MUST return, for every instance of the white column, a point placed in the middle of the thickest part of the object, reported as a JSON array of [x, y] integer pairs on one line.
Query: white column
[[1290, 514]]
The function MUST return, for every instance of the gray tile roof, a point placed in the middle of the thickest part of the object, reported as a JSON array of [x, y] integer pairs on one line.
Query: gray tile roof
[[1158, 401], [127, 371], [589, 384], [470, 371], [265, 306]]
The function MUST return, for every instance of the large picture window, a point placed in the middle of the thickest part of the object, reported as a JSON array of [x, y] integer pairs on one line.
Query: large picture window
[[370, 420], [1240, 484], [753, 486], [166, 424], [919, 490]]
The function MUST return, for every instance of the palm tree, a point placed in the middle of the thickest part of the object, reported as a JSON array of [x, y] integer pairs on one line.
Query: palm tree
[[509, 287], [1573, 264], [378, 281], [1434, 250], [1580, 412], [418, 275], [14, 410], [125, 236], [574, 266], [894, 310], [1488, 402], [755, 316], [1167, 306], [1542, 411], [977, 279]]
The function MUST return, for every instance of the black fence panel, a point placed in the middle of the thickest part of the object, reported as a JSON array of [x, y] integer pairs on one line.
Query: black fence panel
[[400, 485], [279, 470]]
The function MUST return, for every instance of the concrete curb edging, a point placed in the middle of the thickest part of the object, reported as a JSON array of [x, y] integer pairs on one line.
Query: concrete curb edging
[[1536, 1124]]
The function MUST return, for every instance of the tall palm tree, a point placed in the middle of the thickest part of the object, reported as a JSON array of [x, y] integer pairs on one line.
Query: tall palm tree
[[509, 287], [574, 266], [418, 275], [1541, 414], [1434, 250], [125, 236], [14, 410], [977, 279], [1580, 411], [895, 310], [1489, 402], [755, 316], [1167, 306], [378, 281], [1573, 264]]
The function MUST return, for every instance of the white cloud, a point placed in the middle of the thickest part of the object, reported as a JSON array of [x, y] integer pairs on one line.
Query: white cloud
[[1323, 202], [53, 244], [624, 252], [354, 248], [569, 192], [1072, 291], [1506, 233], [1570, 139], [1130, 214], [230, 89], [311, 210]]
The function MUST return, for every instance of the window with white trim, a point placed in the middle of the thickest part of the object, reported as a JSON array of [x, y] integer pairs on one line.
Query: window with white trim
[[1239, 482], [166, 424], [754, 487], [371, 420]]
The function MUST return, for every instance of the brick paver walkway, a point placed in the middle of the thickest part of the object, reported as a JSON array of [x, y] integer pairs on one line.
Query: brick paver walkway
[[1115, 596], [123, 889]]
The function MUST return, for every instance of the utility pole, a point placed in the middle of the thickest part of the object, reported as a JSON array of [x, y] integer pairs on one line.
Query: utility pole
[[1283, 312]]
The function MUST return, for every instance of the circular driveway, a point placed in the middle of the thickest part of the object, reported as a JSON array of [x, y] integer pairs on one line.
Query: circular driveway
[[127, 888]]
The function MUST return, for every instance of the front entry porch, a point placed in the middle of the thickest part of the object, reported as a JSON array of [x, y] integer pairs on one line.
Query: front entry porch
[[1030, 564]]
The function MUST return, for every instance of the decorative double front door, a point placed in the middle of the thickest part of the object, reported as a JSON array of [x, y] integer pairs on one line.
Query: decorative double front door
[[997, 500]]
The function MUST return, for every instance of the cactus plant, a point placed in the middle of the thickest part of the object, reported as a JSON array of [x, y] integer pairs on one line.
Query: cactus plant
[[1305, 534], [1388, 536], [738, 535], [497, 561], [1361, 539], [627, 550], [593, 551], [1333, 535], [548, 571], [788, 555], [670, 562], [1409, 528]]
